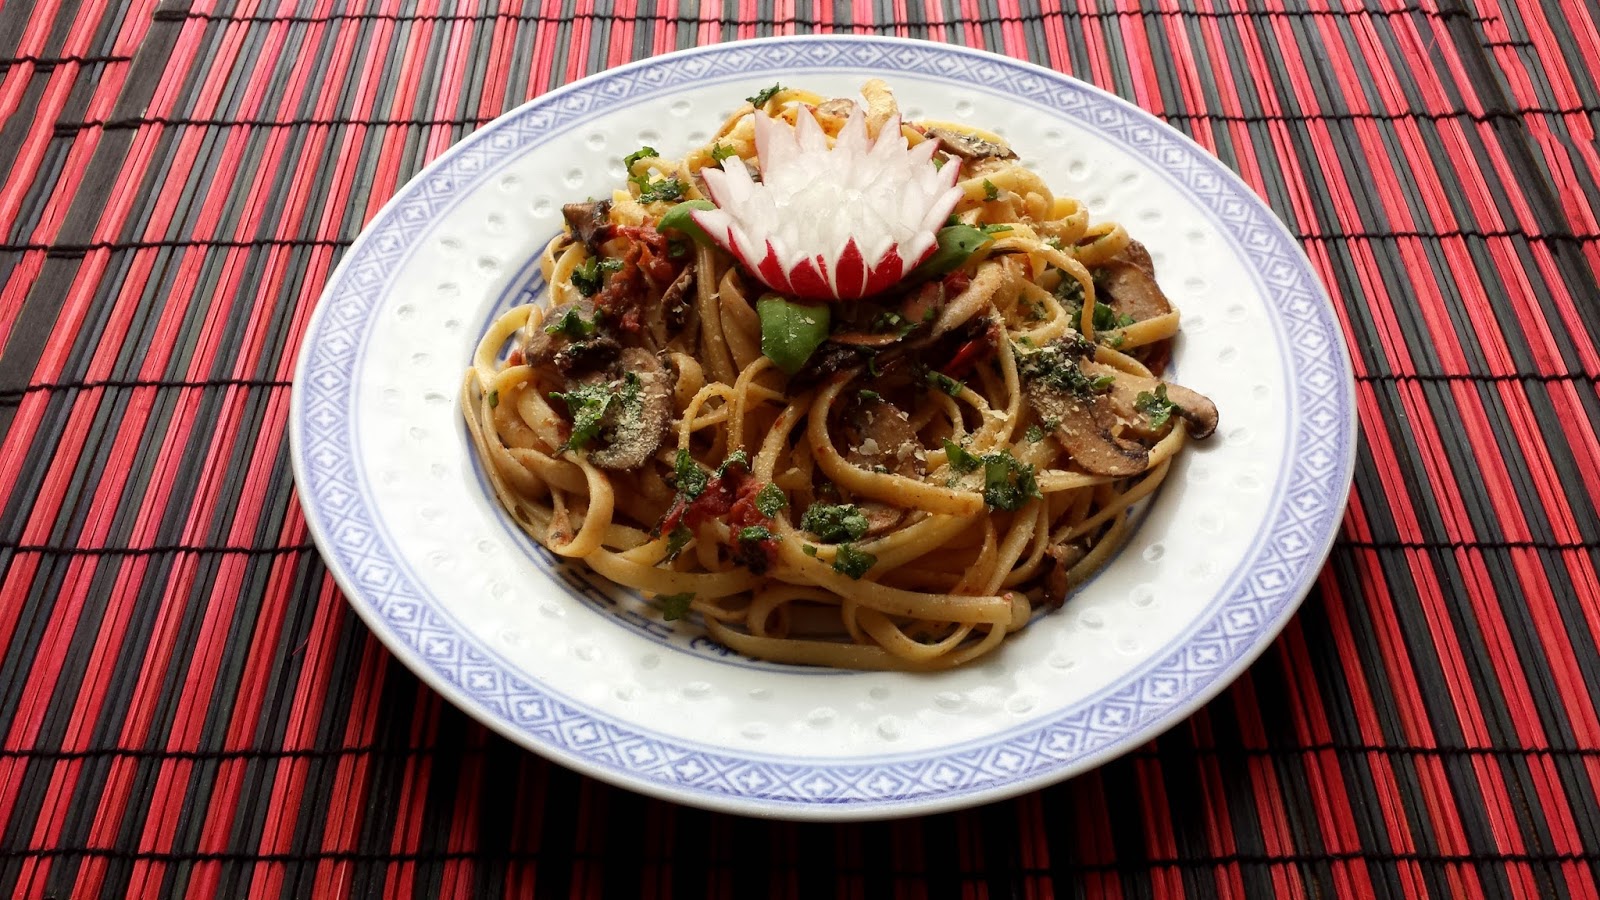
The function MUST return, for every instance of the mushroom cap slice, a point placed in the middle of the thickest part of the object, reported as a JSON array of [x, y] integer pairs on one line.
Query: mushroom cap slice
[[1087, 429], [637, 427]]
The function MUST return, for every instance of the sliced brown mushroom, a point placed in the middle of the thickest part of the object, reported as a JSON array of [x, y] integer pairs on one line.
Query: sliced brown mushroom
[[590, 222], [1063, 557], [1196, 410], [968, 146], [571, 356], [664, 319], [633, 430], [1127, 284], [1086, 427], [876, 433], [838, 108]]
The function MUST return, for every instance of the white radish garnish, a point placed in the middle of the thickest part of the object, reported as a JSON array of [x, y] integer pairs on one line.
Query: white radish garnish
[[830, 222]]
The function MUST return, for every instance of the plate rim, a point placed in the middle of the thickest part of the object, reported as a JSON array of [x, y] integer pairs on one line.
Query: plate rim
[[1339, 479]]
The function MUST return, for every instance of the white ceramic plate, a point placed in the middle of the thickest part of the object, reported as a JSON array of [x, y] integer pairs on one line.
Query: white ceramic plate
[[590, 677]]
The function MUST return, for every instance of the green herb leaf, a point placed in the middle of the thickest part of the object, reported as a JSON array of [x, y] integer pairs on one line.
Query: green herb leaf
[[1056, 365], [809, 549], [1034, 434], [589, 277], [771, 500], [572, 324], [956, 244], [852, 562], [1007, 482], [993, 230], [494, 399], [652, 191], [869, 395], [641, 153], [961, 460], [1156, 406], [590, 404], [791, 332], [761, 99], [720, 152], [945, 383], [755, 533], [990, 192], [1106, 318], [680, 218], [674, 606], [689, 477], [736, 458], [677, 539], [834, 523], [1055, 242]]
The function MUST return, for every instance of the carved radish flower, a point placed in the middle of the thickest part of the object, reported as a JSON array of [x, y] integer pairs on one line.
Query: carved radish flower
[[830, 222]]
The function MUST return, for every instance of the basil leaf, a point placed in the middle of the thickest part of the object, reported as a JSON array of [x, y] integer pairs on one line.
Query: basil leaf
[[646, 152], [852, 562], [956, 244], [1155, 405], [680, 219], [791, 332], [688, 476], [674, 606], [961, 459], [572, 324], [677, 539], [764, 97], [771, 500], [832, 524]]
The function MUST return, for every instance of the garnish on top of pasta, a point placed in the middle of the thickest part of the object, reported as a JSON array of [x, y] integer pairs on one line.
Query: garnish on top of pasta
[[854, 391]]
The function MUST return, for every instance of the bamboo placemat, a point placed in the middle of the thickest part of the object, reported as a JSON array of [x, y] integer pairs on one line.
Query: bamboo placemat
[[189, 708]]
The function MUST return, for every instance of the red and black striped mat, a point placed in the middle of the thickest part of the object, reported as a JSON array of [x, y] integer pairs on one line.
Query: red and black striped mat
[[188, 708]]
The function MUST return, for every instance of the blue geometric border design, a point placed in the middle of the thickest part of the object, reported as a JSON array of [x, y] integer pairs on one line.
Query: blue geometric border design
[[1288, 554]]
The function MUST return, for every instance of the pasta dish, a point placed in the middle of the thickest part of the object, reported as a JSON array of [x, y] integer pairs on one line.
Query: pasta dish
[[851, 391]]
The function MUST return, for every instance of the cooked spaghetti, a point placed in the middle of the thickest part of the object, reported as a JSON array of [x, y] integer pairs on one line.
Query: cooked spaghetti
[[892, 481]]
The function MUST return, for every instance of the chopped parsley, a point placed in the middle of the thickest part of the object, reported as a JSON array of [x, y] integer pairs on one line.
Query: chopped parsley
[[1034, 434], [494, 399], [590, 277], [688, 476], [764, 97], [1007, 482], [771, 500], [961, 459], [990, 192], [852, 562], [677, 539], [1054, 242], [736, 458], [1057, 366], [574, 325], [1155, 405], [809, 549], [1070, 293], [1106, 318], [756, 533], [674, 606], [645, 152], [720, 152], [832, 524], [590, 404], [652, 191], [869, 395], [945, 383]]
